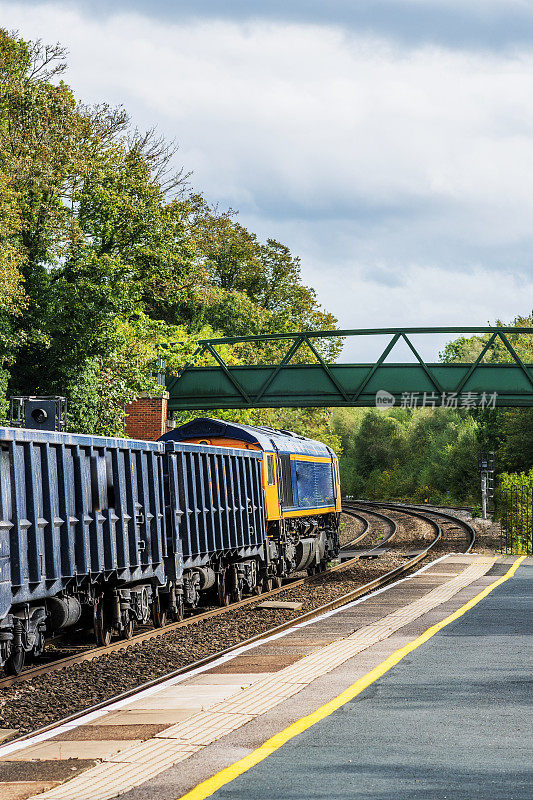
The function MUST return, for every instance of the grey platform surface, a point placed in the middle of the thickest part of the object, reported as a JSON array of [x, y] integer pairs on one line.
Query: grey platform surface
[[452, 720]]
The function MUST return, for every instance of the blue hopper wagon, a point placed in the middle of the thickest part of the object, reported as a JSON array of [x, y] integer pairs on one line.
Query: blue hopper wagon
[[106, 533]]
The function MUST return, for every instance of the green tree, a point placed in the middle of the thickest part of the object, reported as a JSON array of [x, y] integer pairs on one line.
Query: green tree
[[250, 276], [408, 454], [113, 260], [509, 432]]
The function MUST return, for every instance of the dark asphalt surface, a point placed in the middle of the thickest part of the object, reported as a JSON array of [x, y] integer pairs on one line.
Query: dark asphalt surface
[[452, 720]]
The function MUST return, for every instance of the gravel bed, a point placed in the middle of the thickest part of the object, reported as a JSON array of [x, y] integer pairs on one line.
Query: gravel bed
[[487, 531], [454, 537], [351, 528], [47, 698]]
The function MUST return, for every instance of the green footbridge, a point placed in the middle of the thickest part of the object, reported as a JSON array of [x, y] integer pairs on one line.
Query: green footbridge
[[302, 377]]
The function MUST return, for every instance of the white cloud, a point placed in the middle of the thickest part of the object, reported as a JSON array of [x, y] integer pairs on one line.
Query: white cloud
[[356, 150], [425, 297]]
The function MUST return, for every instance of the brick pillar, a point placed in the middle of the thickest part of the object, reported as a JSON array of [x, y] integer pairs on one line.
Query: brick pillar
[[146, 417]]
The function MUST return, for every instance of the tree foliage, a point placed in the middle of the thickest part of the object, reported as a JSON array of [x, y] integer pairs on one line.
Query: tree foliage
[[509, 432], [424, 454], [106, 257]]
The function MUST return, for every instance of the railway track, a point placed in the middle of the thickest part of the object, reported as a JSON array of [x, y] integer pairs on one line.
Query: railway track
[[453, 523], [88, 652], [353, 510], [369, 515]]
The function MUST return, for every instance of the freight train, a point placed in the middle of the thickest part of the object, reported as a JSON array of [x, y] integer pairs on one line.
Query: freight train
[[105, 533]]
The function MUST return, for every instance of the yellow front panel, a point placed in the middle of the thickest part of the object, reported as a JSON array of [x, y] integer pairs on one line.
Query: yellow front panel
[[337, 481], [273, 510]]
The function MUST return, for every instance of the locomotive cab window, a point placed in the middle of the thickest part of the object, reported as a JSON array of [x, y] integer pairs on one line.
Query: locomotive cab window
[[271, 479]]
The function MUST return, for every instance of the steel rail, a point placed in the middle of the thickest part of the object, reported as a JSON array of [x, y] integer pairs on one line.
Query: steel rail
[[421, 506], [366, 526], [393, 529], [414, 510]]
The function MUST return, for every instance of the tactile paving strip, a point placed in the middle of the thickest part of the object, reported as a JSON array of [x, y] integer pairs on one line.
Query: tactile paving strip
[[137, 764]]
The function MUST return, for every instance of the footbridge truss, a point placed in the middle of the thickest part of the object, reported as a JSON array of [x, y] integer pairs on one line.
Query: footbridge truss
[[301, 376]]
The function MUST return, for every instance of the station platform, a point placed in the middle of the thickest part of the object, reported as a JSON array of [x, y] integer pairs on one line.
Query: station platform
[[421, 689]]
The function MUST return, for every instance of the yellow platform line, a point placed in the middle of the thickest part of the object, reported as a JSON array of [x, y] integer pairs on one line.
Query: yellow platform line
[[225, 776]]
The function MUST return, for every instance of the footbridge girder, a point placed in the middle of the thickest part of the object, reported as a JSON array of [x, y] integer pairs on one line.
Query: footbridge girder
[[295, 380]]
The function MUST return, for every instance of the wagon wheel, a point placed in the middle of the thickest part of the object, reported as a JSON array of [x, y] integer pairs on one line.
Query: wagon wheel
[[267, 584], [222, 590], [159, 614], [258, 588], [129, 625], [15, 662], [178, 614], [277, 581], [236, 589], [101, 624]]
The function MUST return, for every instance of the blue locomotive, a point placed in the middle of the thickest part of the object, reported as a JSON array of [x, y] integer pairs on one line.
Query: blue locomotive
[[302, 500], [109, 533]]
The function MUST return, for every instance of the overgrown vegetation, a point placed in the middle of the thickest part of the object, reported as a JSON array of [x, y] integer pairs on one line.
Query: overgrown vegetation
[[425, 455], [106, 255], [515, 508]]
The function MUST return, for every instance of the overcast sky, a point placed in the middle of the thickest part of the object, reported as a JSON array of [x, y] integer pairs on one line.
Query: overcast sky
[[388, 143]]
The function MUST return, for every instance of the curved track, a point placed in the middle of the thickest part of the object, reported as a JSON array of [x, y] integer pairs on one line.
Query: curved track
[[454, 524], [367, 530], [355, 510], [362, 512]]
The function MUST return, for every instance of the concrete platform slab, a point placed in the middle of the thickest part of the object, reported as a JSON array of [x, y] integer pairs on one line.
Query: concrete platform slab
[[58, 750], [185, 697], [121, 732], [43, 771], [228, 679], [145, 717], [322, 659], [256, 663]]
